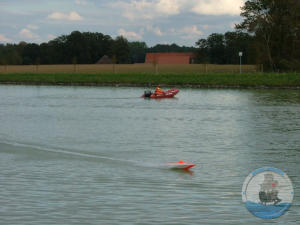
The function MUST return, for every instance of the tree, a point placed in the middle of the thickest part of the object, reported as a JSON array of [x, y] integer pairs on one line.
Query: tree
[[86, 47], [10, 54], [224, 48], [57, 50], [216, 46], [137, 51], [98, 45], [212, 49], [121, 50], [170, 48], [31, 53], [202, 53], [275, 24], [236, 42], [77, 47]]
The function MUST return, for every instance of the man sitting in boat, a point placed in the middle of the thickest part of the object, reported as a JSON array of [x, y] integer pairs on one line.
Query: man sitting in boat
[[158, 90]]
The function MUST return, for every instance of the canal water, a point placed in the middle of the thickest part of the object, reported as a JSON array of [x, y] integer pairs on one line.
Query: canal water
[[97, 155]]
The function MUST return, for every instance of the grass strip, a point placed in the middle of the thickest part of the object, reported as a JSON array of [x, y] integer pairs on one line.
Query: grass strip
[[270, 80]]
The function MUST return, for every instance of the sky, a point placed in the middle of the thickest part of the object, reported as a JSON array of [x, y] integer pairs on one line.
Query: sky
[[153, 21]]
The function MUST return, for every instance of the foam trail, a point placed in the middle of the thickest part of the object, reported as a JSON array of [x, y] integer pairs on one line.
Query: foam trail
[[136, 163], [85, 155], [64, 152]]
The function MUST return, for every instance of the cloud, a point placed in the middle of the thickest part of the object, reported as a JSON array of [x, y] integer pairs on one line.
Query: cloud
[[187, 32], [151, 20], [147, 9], [32, 27], [192, 30], [206, 26], [155, 30], [3, 38], [80, 2], [28, 34], [135, 9], [151, 9], [169, 7], [72, 16], [130, 35], [217, 7], [51, 36]]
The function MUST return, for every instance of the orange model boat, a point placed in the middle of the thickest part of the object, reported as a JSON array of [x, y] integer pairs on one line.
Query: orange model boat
[[180, 165]]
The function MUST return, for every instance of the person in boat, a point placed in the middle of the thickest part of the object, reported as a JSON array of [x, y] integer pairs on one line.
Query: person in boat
[[158, 90]]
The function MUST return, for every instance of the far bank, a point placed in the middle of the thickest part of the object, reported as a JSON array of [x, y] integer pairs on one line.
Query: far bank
[[193, 80]]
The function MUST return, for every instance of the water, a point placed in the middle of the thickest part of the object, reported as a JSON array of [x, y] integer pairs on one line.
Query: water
[[84, 155]]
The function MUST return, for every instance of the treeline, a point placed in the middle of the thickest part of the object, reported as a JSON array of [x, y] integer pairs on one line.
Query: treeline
[[225, 48], [77, 47], [81, 48], [88, 48]]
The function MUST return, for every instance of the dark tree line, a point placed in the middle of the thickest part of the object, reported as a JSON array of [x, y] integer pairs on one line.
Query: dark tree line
[[81, 48], [170, 48], [225, 48]]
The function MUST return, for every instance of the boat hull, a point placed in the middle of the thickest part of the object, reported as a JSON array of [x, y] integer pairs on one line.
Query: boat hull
[[180, 165], [166, 94]]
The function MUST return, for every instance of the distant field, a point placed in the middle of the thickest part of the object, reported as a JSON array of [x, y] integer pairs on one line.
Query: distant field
[[234, 80], [129, 68]]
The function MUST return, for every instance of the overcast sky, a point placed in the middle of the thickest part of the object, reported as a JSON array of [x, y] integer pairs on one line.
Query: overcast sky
[[154, 21]]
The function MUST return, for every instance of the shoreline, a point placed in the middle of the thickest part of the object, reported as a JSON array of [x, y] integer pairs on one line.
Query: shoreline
[[180, 80], [83, 84]]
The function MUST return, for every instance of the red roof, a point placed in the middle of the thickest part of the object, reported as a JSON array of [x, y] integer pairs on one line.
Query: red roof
[[170, 58], [105, 60]]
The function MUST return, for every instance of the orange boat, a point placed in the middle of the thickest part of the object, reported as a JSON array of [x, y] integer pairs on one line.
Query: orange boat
[[166, 94], [180, 165]]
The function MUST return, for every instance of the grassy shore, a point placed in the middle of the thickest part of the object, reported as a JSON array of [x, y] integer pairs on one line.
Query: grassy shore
[[253, 80]]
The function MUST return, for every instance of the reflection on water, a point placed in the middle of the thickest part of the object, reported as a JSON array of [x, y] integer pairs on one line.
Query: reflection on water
[[78, 155]]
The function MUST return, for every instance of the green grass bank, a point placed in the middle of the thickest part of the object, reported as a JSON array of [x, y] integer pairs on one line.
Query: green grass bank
[[234, 80]]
